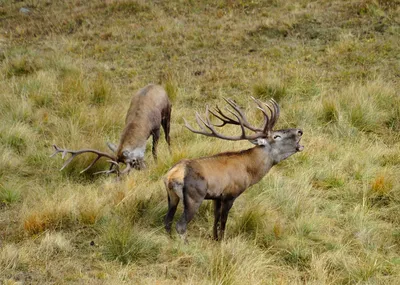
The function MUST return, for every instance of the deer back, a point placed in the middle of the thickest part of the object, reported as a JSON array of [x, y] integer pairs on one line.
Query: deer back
[[147, 108]]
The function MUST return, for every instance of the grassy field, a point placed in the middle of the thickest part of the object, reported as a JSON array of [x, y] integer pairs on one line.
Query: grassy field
[[328, 215]]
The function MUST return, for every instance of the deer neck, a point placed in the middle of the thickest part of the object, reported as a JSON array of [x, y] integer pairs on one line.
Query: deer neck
[[260, 162], [134, 136]]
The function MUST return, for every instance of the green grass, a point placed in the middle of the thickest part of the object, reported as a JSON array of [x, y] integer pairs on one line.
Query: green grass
[[329, 215], [129, 245]]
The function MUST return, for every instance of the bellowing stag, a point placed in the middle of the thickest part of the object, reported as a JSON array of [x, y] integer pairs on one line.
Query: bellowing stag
[[223, 177], [150, 109]]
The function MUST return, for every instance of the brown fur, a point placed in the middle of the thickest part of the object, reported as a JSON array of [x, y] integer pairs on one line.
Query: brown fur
[[222, 178], [148, 108], [222, 171]]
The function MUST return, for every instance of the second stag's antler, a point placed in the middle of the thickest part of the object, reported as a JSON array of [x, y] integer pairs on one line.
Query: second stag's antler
[[239, 119], [114, 166]]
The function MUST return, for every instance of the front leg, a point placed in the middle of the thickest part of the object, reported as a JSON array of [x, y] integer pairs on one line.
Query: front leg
[[226, 206], [217, 216]]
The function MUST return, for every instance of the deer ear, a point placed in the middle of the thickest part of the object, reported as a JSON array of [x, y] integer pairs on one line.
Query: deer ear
[[259, 141], [112, 146]]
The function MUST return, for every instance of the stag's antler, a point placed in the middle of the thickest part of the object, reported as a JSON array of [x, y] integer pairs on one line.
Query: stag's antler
[[240, 119], [112, 160]]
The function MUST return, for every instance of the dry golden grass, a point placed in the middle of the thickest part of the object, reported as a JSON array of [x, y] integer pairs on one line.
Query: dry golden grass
[[329, 215]]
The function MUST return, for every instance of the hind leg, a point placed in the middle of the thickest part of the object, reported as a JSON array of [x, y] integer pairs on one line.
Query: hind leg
[[156, 136], [173, 201], [192, 199], [190, 210], [166, 126]]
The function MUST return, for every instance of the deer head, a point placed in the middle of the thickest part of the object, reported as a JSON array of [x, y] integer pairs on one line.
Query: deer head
[[279, 143]]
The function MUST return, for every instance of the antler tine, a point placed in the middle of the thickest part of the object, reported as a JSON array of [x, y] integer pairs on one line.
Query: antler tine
[[78, 152], [127, 169], [267, 119], [241, 125], [90, 165], [111, 170], [211, 126], [242, 116], [276, 108], [68, 161], [240, 119], [199, 120], [57, 150], [207, 122], [274, 113], [222, 117], [213, 132], [271, 120], [270, 123]]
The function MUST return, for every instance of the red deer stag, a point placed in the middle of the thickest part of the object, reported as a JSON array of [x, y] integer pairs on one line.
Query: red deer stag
[[223, 177], [150, 109]]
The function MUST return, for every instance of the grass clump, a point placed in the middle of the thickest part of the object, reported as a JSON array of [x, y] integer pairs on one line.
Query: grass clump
[[16, 142], [101, 91], [382, 191], [39, 221], [9, 195], [9, 256], [125, 244], [330, 111], [274, 89], [53, 244], [252, 222], [21, 66], [172, 89], [362, 119], [328, 181], [393, 121], [297, 257], [232, 262], [64, 209]]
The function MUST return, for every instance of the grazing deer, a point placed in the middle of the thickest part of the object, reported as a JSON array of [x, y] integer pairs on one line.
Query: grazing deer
[[150, 109], [223, 177]]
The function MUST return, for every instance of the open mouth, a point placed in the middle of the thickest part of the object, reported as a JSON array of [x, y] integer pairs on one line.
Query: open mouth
[[299, 147]]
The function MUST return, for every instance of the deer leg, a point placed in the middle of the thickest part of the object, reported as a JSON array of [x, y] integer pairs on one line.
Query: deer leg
[[191, 208], [226, 206], [192, 202], [217, 216], [173, 201], [156, 136], [166, 126]]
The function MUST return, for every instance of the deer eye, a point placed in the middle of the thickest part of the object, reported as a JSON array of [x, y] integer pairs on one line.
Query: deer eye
[[277, 137]]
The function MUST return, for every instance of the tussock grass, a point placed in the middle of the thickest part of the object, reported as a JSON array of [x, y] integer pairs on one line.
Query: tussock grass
[[126, 244], [9, 256], [53, 244], [230, 260], [329, 215], [9, 194]]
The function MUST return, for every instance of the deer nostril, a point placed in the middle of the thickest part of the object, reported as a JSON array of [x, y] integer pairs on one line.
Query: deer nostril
[[300, 132]]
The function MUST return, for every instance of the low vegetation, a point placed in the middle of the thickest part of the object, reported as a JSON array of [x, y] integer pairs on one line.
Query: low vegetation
[[328, 215]]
